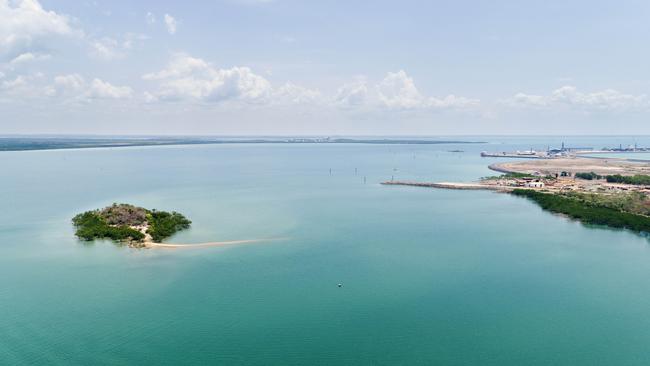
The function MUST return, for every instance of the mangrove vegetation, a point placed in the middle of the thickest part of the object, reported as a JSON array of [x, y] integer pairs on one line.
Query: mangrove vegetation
[[128, 224], [591, 209]]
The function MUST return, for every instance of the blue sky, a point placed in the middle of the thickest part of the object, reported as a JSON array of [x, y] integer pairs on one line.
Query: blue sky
[[330, 67]]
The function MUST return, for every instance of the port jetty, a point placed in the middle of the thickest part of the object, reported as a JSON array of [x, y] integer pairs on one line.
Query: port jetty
[[448, 185], [600, 191]]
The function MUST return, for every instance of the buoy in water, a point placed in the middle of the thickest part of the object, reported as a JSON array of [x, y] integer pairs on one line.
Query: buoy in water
[[340, 285]]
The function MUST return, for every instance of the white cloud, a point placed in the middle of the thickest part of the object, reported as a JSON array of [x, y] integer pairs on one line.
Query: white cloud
[[171, 24], [99, 89], [188, 78], [569, 96], [291, 93], [452, 102], [75, 87], [69, 83], [396, 91], [192, 78], [63, 88], [352, 94], [29, 57], [23, 86], [24, 24], [106, 49]]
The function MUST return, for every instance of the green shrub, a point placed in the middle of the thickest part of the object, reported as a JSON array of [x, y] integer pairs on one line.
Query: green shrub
[[586, 211], [164, 224], [638, 179], [91, 225], [115, 222], [588, 176]]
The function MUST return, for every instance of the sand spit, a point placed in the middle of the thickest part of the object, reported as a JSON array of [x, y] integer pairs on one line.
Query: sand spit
[[209, 244], [450, 185]]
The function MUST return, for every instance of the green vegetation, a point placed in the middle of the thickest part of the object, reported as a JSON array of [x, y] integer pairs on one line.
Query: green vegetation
[[588, 209], [122, 222], [633, 202], [640, 180], [588, 176], [164, 224], [510, 176], [91, 225]]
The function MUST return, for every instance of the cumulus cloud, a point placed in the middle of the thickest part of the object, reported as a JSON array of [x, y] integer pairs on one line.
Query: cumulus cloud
[[22, 86], [106, 49], [291, 93], [396, 91], [24, 24], [171, 24], [100, 89], [352, 94], [74, 86], [192, 78], [570, 96], [29, 57], [63, 88], [19, 82], [188, 78]]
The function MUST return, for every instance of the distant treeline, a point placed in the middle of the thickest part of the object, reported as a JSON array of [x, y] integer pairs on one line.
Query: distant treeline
[[54, 143], [587, 212], [588, 176], [638, 179], [511, 175]]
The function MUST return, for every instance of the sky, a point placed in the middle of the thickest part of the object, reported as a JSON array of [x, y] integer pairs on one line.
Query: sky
[[289, 67]]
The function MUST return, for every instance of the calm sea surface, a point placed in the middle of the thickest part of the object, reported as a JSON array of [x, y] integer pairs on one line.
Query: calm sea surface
[[429, 276]]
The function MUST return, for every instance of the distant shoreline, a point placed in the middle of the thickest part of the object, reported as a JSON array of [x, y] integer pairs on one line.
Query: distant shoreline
[[60, 143]]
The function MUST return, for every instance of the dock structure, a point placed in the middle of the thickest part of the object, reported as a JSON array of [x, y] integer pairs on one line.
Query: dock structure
[[512, 155], [450, 185]]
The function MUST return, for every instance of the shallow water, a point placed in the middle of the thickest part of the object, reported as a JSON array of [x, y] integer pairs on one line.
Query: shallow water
[[429, 276]]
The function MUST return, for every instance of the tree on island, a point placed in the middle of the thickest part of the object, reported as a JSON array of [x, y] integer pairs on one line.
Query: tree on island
[[128, 224]]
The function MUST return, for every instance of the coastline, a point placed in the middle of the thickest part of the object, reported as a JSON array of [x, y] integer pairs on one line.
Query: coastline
[[602, 166], [148, 243], [204, 245]]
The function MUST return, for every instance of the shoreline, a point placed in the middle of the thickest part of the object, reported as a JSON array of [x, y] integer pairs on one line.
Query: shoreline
[[151, 245], [450, 185], [579, 164]]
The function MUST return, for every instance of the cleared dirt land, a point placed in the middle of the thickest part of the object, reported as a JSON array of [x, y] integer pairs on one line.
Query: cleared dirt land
[[573, 165]]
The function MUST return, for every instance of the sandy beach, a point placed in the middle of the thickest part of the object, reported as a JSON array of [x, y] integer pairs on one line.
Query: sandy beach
[[149, 243], [204, 245]]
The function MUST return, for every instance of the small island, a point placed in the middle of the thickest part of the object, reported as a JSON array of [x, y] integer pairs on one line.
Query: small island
[[124, 223]]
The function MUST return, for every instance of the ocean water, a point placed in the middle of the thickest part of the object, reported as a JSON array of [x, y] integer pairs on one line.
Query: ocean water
[[429, 276]]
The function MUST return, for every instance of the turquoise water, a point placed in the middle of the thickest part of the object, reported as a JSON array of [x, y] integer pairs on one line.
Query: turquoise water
[[429, 276]]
